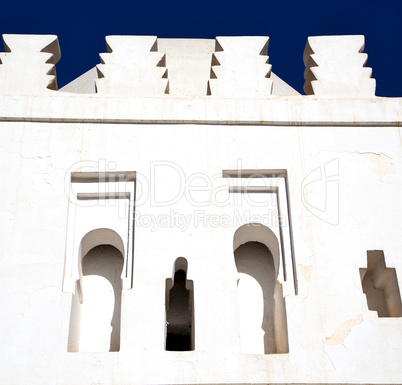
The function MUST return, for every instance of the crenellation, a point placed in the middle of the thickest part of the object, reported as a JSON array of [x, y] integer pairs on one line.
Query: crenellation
[[132, 66], [335, 67], [28, 64], [239, 68]]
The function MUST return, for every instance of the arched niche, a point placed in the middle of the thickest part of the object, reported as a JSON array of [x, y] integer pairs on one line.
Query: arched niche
[[96, 305], [179, 309], [262, 313]]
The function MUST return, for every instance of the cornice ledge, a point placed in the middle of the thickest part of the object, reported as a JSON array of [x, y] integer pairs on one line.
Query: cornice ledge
[[284, 110]]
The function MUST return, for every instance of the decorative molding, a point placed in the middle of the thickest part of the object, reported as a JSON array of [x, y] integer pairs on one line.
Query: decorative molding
[[240, 68], [132, 66], [27, 65], [335, 67]]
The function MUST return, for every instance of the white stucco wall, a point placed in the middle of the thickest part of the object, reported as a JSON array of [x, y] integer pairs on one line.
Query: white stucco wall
[[343, 158], [323, 346]]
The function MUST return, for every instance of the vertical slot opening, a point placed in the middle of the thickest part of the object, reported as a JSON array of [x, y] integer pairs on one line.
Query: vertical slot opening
[[179, 310]]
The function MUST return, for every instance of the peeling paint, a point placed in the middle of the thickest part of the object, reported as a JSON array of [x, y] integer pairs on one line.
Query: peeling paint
[[342, 331], [381, 163], [306, 272]]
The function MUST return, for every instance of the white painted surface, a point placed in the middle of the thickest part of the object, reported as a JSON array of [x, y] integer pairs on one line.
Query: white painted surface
[[239, 68], [32, 256], [132, 67], [335, 67], [344, 198], [27, 65], [189, 67], [84, 84]]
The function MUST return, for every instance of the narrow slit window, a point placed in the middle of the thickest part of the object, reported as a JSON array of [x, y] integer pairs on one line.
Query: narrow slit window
[[179, 310]]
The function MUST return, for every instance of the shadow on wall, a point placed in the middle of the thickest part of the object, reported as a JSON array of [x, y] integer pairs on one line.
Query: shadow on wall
[[262, 312], [96, 306], [380, 285]]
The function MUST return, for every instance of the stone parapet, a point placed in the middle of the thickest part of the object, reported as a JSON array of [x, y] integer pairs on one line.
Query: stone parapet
[[27, 65], [335, 67]]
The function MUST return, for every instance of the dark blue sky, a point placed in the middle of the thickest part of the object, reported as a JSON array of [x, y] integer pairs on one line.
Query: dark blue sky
[[82, 25]]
